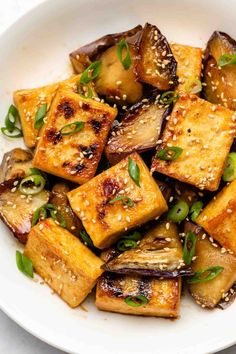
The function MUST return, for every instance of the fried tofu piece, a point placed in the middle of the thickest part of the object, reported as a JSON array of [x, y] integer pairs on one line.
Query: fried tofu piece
[[29, 101], [16, 210], [209, 294], [74, 157], [163, 295], [189, 64], [205, 132], [68, 266], [105, 222], [218, 218]]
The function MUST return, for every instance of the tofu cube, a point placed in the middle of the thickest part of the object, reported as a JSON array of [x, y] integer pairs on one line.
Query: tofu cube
[[104, 221], [218, 218], [205, 133], [163, 295], [29, 101], [74, 157], [65, 264], [189, 64]]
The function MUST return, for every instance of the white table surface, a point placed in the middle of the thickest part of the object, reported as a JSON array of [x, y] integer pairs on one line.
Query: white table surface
[[14, 339]]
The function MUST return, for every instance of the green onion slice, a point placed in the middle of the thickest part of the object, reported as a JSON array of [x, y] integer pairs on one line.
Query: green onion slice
[[86, 239], [170, 153], [16, 133], [90, 73], [39, 116], [126, 244], [226, 59], [193, 86], [178, 212], [169, 97], [136, 236], [24, 264], [136, 301], [134, 171], [39, 214], [32, 184], [189, 247], [121, 47], [124, 199], [84, 91], [43, 211], [230, 168], [72, 128], [34, 171], [11, 118], [195, 209], [206, 275]]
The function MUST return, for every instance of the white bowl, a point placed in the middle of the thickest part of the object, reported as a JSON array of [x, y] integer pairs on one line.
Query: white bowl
[[34, 51]]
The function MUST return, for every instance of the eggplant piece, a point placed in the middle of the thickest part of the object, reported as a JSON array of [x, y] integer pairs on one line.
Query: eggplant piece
[[163, 296], [115, 82], [109, 254], [59, 200], [209, 294], [82, 57], [165, 189], [157, 65], [186, 193], [219, 82], [228, 299], [15, 164], [139, 131], [158, 254], [16, 209]]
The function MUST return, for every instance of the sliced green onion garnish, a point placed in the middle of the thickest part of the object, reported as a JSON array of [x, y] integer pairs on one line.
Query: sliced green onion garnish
[[125, 61], [34, 171], [195, 210], [124, 199], [169, 97], [193, 86], [178, 212], [206, 275], [39, 116], [86, 239], [32, 184], [170, 153], [90, 73], [24, 264], [84, 91], [134, 171], [11, 118], [230, 168], [126, 244], [136, 301], [43, 211], [226, 59], [72, 128], [189, 247], [16, 133], [136, 236]]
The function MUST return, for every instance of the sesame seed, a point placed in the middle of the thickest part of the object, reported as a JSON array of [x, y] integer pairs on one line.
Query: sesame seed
[[128, 218], [167, 226]]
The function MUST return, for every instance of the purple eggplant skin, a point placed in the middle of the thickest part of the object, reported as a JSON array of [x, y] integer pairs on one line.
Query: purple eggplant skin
[[88, 53]]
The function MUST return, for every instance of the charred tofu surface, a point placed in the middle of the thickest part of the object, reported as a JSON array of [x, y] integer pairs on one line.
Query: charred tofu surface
[[159, 254], [205, 134], [218, 218], [68, 266], [189, 64], [17, 209], [74, 156], [209, 294], [138, 131], [29, 101], [105, 219], [163, 296]]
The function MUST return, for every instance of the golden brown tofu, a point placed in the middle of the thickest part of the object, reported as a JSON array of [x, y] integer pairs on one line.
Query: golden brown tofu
[[163, 296], [104, 221], [208, 294], [189, 64], [74, 157], [205, 133], [16, 209], [29, 101], [159, 254], [68, 266], [218, 218]]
